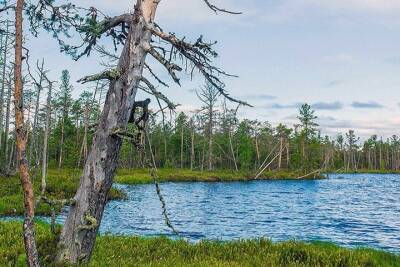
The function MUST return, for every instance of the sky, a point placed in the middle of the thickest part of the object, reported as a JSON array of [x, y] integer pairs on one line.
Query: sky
[[340, 56]]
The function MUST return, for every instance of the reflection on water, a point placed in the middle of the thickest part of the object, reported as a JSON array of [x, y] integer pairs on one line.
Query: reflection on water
[[351, 210]]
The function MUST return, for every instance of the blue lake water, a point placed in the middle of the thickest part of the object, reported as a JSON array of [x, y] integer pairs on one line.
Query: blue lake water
[[350, 210]]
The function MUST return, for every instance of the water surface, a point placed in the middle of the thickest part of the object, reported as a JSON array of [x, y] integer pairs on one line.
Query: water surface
[[350, 210]]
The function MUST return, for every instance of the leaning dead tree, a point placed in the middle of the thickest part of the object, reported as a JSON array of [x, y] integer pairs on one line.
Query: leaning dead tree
[[139, 36], [21, 141]]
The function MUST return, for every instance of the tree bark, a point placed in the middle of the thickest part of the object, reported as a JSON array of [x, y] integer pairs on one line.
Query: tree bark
[[182, 147], [3, 85], [287, 155], [85, 134], [61, 143], [210, 138], [46, 139], [34, 137], [29, 200], [192, 152], [280, 152], [79, 233], [8, 114]]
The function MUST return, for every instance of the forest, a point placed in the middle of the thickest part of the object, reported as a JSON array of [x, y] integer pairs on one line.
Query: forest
[[68, 156], [211, 137]]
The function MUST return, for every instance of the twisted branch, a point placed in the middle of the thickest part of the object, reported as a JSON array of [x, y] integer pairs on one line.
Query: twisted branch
[[5, 8], [105, 75], [153, 91], [198, 54], [216, 9], [171, 67]]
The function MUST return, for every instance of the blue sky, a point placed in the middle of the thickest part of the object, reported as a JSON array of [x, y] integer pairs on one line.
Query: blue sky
[[341, 56]]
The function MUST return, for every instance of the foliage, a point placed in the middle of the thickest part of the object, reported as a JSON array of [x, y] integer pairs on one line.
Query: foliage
[[138, 251]]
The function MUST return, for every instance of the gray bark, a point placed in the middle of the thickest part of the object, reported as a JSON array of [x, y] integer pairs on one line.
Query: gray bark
[[3, 85], [61, 143], [192, 152], [8, 114], [46, 139], [210, 137], [182, 147], [34, 137], [79, 233]]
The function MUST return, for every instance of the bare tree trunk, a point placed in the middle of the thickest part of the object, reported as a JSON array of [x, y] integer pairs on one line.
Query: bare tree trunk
[[2, 91], [232, 150], [32, 258], [287, 155], [85, 134], [33, 145], [192, 153], [3, 84], [61, 144], [46, 139], [182, 147], [203, 155], [79, 233], [280, 153], [210, 139], [8, 114], [10, 157], [257, 153]]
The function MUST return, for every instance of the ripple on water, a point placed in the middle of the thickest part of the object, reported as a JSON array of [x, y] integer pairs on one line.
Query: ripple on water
[[351, 210]]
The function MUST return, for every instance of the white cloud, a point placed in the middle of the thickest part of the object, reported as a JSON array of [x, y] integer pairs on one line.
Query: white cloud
[[341, 58], [359, 5], [337, 10]]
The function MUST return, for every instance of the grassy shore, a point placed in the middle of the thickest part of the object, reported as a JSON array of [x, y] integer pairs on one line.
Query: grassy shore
[[60, 185], [137, 251], [142, 176]]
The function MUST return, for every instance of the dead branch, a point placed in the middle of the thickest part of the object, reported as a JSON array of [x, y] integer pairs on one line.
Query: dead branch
[[198, 54], [5, 8], [153, 91], [105, 75], [216, 9], [171, 67], [154, 75]]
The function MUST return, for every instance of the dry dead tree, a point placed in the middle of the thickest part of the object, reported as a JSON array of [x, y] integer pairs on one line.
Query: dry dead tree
[[140, 37]]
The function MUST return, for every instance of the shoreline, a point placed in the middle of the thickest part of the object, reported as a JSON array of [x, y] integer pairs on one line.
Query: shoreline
[[142, 176], [113, 250]]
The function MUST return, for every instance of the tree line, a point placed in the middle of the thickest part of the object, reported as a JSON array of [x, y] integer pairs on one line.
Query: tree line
[[212, 137]]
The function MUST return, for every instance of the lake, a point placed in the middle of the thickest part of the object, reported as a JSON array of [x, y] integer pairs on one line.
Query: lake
[[348, 209]]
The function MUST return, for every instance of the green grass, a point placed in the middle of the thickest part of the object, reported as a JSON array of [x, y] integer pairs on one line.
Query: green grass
[[60, 185], [138, 251], [142, 176]]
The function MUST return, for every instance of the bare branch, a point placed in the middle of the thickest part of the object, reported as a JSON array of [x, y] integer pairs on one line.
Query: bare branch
[[171, 68], [5, 8], [216, 9], [153, 91], [105, 75], [199, 54], [154, 75]]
